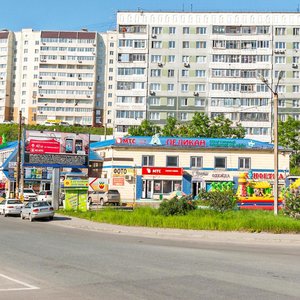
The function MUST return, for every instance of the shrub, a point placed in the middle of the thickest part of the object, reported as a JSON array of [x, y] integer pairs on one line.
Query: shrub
[[291, 205], [219, 200], [176, 206]]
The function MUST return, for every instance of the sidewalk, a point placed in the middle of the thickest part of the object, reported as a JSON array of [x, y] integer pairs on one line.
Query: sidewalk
[[180, 234]]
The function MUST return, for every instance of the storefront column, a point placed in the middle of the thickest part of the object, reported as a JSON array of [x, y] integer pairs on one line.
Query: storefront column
[[56, 187]]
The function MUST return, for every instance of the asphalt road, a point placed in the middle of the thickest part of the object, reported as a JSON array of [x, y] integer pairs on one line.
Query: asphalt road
[[53, 260]]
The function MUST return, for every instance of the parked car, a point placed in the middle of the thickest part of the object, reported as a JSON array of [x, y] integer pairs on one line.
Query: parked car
[[45, 196], [11, 207], [37, 210], [102, 198], [29, 195]]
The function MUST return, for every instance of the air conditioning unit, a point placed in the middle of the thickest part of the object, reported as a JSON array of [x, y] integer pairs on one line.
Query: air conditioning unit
[[154, 36], [277, 52], [152, 93], [88, 96], [295, 66], [53, 77], [41, 77], [187, 65], [44, 43], [80, 61], [41, 95], [128, 177], [79, 78], [90, 87], [39, 86], [160, 64], [282, 52], [196, 94]]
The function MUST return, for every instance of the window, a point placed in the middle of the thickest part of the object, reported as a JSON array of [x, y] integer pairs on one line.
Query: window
[[201, 30], [296, 89], [196, 162], [200, 44], [200, 73], [184, 102], [171, 73], [200, 87], [200, 59], [244, 163], [148, 160], [280, 45], [183, 116], [280, 31], [186, 30], [279, 59], [296, 103], [296, 74], [156, 30], [185, 73], [220, 162], [185, 59], [155, 72], [172, 30], [170, 87], [281, 103], [154, 116], [171, 44], [171, 58], [172, 161], [170, 101], [156, 44], [185, 44], [296, 45], [199, 102], [185, 87], [296, 31], [154, 101]]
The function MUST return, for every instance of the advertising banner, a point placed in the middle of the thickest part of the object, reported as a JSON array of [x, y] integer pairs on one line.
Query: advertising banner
[[76, 199], [118, 181], [120, 172], [162, 171], [56, 149], [98, 184]]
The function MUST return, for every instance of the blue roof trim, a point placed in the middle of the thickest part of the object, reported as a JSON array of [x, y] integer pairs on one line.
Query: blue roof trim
[[94, 156], [9, 159], [102, 144]]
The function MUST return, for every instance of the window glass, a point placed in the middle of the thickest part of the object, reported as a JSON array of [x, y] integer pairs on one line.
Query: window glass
[[220, 162]]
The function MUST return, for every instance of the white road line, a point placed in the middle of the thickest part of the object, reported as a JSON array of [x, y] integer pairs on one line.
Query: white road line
[[27, 286]]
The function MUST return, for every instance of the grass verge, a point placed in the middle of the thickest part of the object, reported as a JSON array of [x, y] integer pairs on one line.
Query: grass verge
[[250, 221]]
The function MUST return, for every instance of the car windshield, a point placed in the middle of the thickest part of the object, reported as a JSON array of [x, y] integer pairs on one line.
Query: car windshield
[[40, 204], [14, 202], [29, 191]]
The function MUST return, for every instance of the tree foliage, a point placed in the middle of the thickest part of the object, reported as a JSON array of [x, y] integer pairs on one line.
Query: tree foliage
[[289, 137], [200, 126]]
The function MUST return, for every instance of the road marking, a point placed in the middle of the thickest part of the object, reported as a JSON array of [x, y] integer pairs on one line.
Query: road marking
[[27, 286]]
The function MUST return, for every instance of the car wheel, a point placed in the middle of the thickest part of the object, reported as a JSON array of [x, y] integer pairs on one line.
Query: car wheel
[[102, 202], [51, 218], [90, 201], [30, 218], [22, 217]]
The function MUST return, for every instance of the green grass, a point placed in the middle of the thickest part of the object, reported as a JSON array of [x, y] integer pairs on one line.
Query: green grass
[[250, 221]]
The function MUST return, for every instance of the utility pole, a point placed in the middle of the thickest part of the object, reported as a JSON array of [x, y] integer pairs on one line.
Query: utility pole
[[18, 157], [275, 188]]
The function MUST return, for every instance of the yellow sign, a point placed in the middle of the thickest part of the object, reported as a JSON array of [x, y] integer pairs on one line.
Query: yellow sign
[[121, 172]]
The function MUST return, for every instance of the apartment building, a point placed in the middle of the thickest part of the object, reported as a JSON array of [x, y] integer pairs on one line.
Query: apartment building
[[176, 64], [6, 73], [52, 75]]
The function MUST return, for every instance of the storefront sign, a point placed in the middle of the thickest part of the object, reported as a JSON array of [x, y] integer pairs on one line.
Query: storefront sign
[[212, 176], [157, 141], [44, 146], [118, 181], [70, 183], [162, 171], [266, 176], [119, 172], [98, 184]]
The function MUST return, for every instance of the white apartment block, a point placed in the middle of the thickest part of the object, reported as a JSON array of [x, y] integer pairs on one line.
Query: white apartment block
[[174, 64], [52, 75]]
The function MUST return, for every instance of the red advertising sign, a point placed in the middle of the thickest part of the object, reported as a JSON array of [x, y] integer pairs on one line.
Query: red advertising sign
[[162, 171], [44, 146], [266, 176], [118, 181]]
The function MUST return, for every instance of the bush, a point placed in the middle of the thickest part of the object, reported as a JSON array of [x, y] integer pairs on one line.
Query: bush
[[219, 200], [291, 205], [176, 206]]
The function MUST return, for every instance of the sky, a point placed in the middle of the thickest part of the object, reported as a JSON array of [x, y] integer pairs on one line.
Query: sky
[[100, 15]]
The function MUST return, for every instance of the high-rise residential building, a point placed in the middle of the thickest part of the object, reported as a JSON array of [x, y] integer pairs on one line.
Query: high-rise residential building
[[176, 64], [52, 75], [6, 74]]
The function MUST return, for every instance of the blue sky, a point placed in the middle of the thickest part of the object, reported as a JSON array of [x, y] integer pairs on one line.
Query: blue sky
[[100, 15]]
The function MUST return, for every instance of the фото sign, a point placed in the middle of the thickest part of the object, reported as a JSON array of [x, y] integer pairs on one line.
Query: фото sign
[[56, 149], [162, 171]]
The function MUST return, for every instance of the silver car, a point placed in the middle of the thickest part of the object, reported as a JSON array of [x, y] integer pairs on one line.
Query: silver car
[[37, 210], [10, 207]]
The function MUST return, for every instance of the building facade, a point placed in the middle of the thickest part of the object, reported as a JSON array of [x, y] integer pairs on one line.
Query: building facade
[[174, 64], [153, 167]]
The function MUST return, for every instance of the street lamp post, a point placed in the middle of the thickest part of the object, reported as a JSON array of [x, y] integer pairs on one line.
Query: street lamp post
[[275, 112]]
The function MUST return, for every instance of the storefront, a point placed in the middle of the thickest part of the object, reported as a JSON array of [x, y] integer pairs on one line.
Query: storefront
[[144, 168]]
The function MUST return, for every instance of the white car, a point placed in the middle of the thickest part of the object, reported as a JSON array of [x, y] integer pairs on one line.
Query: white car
[[45, 196], [37, 210], [11, 207], [29, 195]]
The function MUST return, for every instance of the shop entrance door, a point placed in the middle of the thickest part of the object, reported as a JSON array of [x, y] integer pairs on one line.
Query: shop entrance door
[[147, 189]]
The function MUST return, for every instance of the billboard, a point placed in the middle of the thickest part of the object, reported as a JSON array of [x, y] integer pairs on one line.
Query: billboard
[[56, 149]]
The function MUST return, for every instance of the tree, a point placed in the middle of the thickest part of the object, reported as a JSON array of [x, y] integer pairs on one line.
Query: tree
[[289, 137], [171, 127], [145, 129]]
